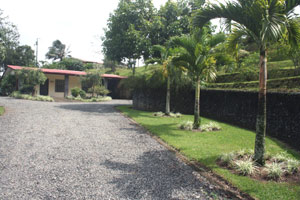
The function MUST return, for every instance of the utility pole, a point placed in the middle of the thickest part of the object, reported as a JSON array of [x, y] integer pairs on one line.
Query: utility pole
[[37, 49]]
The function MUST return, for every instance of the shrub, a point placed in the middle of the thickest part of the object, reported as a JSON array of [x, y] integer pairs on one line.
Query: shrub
[[274, 170], [245, 167], [18, 95], [75, 91], [158, 114], [82, 94], [292, 166], [280, 157], [8, 84], [176, 115], [211, 126], [187, 125], [101, 90], [227, 158]]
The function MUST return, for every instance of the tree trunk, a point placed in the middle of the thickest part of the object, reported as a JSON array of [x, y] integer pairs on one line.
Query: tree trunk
[[197, 120], [261, 120], [133, 67], [168, 96]]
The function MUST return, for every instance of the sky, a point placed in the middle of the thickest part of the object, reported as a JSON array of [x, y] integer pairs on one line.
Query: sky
[[77, 23]]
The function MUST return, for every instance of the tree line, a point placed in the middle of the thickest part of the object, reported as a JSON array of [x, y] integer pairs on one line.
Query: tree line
[[186, 41]]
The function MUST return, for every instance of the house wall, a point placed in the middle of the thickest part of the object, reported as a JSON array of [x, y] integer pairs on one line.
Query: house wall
[[74, 81]]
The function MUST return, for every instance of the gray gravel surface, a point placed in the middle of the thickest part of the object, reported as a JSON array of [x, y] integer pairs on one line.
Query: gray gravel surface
[[87, 151]]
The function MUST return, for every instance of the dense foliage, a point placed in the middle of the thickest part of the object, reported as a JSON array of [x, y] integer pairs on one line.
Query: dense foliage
[[11, 52]]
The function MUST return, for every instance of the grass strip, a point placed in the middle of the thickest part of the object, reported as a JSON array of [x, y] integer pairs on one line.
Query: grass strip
[[1, 110], [207, 147]]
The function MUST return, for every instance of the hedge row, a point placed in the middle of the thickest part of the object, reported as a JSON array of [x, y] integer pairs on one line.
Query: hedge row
[[254, 76], [234, 107], [291, 82]]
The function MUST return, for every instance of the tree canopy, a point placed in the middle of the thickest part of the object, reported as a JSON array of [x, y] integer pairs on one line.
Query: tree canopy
[[58, 51]]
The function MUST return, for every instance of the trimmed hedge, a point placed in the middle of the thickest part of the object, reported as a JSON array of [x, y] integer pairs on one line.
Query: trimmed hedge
[[234, 107], [254, 76], [291, 82]]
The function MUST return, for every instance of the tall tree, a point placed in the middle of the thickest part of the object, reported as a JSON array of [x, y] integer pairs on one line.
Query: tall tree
[[264, 21], [197, 58], [126, 36], [57, 51], [9, 40], [24, 56], [166, 60]]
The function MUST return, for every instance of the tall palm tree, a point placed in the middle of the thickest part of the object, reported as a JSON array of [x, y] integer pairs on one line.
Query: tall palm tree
[[196, 56], [166, 55], [265, 21]]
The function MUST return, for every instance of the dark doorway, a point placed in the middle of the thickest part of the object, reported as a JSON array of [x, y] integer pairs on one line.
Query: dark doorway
[[44, 89]]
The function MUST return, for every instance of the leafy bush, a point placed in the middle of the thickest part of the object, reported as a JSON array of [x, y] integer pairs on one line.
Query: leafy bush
[[101, 90], [292, 166], [82, 94], [280, 157], [274, 170], [211, 126], [227, 158], [245, 167], [18, 95], [245, 153], [187, 125], [158, 114], [176, 115], [75, 91], [93, 99], [8, 85]]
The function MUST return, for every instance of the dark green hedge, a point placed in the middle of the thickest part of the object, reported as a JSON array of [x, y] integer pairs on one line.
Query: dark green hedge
[[234, 107]]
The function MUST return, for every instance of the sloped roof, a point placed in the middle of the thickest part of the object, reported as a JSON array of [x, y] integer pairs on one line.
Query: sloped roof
[[65, 72]]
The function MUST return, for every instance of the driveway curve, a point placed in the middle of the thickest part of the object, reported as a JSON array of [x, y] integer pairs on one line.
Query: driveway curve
[[87, 151]]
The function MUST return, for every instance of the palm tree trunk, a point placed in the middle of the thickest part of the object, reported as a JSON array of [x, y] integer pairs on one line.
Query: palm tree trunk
[[197, 120], [168, 96], [261, 120]]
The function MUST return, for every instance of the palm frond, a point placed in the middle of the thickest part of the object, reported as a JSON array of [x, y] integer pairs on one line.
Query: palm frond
[[291, 4], [293, 30], [186, 42], [234, 38]]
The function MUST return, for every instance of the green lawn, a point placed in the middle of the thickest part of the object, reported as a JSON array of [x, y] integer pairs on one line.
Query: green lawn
[[206, 147], [1, 110]]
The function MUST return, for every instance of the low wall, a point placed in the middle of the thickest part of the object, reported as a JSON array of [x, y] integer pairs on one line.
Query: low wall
[[234, 107]]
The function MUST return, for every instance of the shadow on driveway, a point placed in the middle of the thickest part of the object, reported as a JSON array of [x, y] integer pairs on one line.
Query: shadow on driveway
[[89, 108], [156, 175]]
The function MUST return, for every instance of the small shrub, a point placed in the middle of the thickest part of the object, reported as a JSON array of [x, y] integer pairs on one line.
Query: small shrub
[[18, 95], [178, 115], [274, 170], [227, 158], [211, 126], [187, 125], [292, 166], [82, 94], [175, 115], [280, 157], [158, 114], [75, 91], [245, 167]]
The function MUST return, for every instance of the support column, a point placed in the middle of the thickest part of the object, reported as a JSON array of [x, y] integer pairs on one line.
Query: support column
[[66, 86]]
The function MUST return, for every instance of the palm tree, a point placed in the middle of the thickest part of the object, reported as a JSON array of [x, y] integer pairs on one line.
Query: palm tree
[[265, 21], [166, 55], [196, 56]]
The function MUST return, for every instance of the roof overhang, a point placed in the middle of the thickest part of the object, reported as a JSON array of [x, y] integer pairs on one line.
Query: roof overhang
[[61, 72]]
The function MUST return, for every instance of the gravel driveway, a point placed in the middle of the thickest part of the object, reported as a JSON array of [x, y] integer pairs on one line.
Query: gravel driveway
[[87, 151]]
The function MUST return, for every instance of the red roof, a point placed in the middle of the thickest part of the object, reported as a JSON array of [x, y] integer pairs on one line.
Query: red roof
[[65, 72], [113, 76]]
